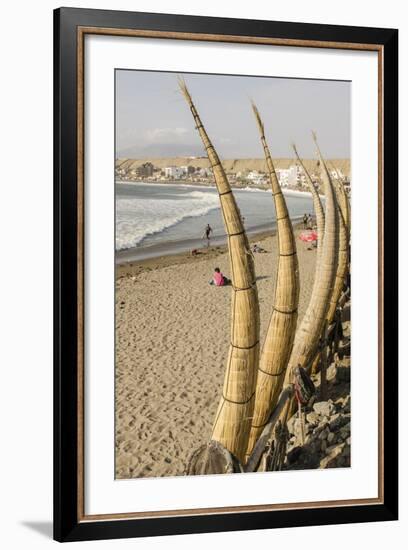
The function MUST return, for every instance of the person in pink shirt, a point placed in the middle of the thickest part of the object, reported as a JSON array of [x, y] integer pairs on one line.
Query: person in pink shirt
[[219, 279]]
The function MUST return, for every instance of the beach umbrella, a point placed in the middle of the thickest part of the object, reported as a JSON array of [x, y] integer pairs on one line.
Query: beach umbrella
[[308, 236], [282, 324], [308, 333], [233, 418]]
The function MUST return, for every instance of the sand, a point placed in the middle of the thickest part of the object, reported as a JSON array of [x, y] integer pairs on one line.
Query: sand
[[172, 338]]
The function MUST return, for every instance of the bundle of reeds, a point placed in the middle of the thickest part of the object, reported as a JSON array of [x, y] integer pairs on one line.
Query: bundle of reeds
[[317, 205], [282, 324], [233, 418], [342, 264], [308, 333], [343, 201]]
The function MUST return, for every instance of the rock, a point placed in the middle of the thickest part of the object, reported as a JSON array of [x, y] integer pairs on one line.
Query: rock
[[308, 428], [330, 437], [320, 427], [343, 374], [339, 406], [337, 422], [294, 427], [312, 418], [291, 424], [347, 404], [329, 461], [344, 461], [323, 445], [345, 431], [294, 454], [331, 372], [323, 434], [348, 441], [346, 450], [315, 446], [333, 418], [324, 408]]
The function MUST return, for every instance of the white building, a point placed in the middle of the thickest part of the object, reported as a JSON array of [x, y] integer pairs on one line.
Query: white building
[[174, 172], [295, 176], [204, 172], [283, 175], [255, 177]]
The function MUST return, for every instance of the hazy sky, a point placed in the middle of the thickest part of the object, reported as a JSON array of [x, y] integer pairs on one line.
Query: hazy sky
[[153, 119]]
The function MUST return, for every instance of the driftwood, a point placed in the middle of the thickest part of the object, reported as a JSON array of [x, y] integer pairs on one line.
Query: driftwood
[[273, 458], [323, 365], [267, 433]]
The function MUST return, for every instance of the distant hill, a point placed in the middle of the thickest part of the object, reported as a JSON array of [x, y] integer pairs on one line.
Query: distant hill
[[230, 165], [155, 150]]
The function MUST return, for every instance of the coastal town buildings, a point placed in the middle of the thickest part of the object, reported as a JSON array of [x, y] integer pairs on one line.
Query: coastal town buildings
[[256, 177], [145, 170], [290, 177], [174, 172]]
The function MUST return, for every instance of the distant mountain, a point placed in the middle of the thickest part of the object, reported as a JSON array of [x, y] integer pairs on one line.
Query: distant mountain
[[161, 150]]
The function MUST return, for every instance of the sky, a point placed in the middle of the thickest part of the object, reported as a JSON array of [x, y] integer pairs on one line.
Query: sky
[[153, 119]]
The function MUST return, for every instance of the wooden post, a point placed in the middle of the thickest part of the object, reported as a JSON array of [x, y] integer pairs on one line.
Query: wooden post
[[323, 368]]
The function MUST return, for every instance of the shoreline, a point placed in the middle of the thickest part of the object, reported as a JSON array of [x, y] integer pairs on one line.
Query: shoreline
[[176, 248], [134, 267], [211, 185]]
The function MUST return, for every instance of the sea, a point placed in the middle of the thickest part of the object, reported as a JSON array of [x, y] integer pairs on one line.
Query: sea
[[160, 219]]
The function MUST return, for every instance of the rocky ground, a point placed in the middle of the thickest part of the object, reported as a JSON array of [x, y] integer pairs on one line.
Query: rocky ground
[[326, 423]]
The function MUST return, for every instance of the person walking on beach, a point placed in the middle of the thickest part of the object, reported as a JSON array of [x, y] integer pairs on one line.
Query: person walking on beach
[[305, 217], [207, 234]]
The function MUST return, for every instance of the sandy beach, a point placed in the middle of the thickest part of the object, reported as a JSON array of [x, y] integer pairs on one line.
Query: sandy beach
[[172, 337]]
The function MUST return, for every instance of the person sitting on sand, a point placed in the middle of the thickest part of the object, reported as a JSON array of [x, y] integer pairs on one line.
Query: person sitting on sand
[[258, 249], [219, 279]]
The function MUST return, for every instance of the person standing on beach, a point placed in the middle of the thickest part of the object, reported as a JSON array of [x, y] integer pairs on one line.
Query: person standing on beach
[[305, 217], [207, 234]]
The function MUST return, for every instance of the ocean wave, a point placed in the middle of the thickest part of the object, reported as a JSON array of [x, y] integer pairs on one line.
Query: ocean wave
[[136, 219]]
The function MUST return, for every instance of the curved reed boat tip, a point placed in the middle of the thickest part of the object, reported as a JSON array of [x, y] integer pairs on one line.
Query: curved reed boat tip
[[282, 324], [233, 418], [310, 329], [342, 266]]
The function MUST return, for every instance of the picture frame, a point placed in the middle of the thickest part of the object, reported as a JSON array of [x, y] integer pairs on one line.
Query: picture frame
[[71, 27]]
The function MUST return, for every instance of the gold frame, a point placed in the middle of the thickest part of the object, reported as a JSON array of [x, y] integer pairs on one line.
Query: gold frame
[[82, 31]]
